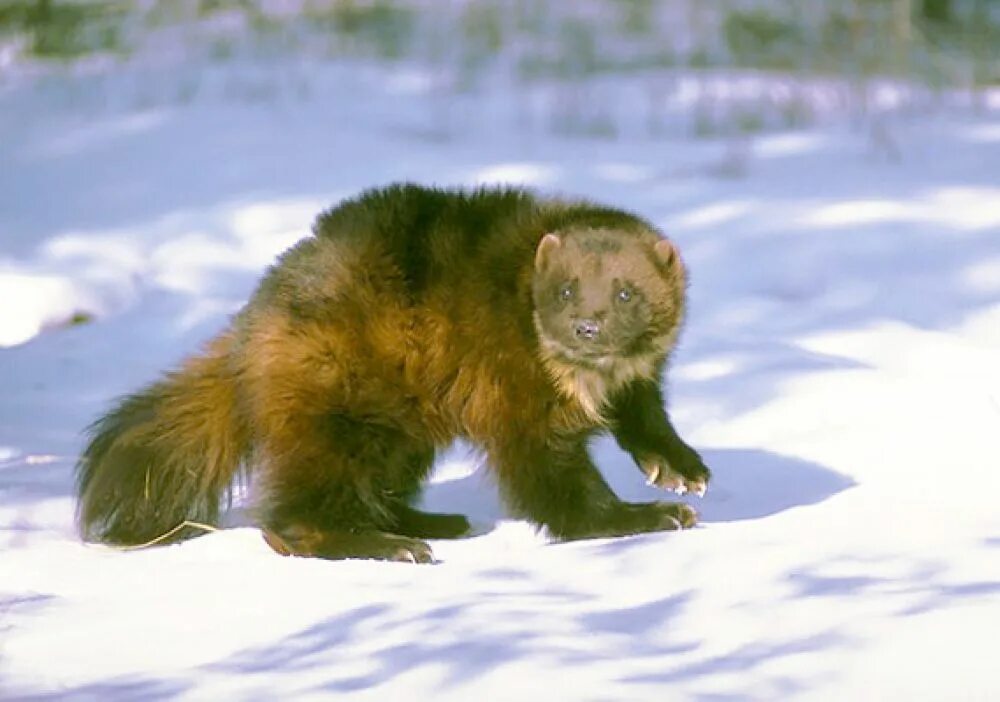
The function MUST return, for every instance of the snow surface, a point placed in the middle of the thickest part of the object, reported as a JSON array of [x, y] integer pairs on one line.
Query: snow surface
[[840, 372]]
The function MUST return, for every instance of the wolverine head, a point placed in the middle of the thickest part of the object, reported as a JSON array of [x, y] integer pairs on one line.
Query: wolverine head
[[604, 295]]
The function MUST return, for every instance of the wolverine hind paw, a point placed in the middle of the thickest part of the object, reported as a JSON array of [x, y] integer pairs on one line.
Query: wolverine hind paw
[[336, 545]]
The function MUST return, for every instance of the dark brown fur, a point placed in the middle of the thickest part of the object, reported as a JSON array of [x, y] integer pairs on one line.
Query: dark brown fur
[[412, 317]]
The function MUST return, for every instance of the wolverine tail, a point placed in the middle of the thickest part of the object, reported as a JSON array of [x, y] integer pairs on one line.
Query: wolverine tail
[[165, 455]]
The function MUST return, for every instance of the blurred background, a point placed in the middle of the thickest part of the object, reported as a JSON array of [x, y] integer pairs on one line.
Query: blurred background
[[677, 49]]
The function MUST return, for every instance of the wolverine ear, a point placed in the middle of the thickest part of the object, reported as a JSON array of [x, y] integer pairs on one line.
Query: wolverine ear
[[546, 247], [671, 266], [667, 254]]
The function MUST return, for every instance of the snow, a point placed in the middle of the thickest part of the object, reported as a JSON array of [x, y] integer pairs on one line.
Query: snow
[[840, 372]]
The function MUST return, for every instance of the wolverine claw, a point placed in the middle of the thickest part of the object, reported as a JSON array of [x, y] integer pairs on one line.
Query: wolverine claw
[[677, 515], [652, 472], [660, 475], [697, 487], [414, 553], [672, 524], [276, 543], [688, 516], [692, 477]]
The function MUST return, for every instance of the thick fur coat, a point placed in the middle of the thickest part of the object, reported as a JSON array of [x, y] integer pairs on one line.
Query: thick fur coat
[[411, 317]]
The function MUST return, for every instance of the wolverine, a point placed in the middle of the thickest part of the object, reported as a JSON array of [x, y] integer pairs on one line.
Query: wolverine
[[412, 317]]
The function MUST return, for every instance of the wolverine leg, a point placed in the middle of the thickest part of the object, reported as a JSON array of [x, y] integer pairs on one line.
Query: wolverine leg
[[428, 525], [338, 486], [555, 484], [641, 426]]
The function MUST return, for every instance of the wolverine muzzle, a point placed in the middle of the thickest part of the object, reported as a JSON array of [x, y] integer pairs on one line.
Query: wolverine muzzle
[[587, 330]]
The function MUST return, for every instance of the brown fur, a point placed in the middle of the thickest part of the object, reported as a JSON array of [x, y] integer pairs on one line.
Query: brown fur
[[413, 317]]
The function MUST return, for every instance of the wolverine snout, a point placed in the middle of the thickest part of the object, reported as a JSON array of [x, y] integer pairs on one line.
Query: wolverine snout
[[587, 329]]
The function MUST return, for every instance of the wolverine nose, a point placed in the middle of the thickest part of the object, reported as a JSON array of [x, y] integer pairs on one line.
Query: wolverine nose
[[587, 329]]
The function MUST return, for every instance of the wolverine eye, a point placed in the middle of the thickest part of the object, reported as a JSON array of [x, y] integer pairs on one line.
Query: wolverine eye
[[624, 295], [566, 292]]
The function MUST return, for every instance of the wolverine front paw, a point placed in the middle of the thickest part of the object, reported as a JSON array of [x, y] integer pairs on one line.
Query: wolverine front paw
[[686, 473]]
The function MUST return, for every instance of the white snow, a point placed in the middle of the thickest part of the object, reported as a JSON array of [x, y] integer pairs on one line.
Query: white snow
[[840, 372]]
